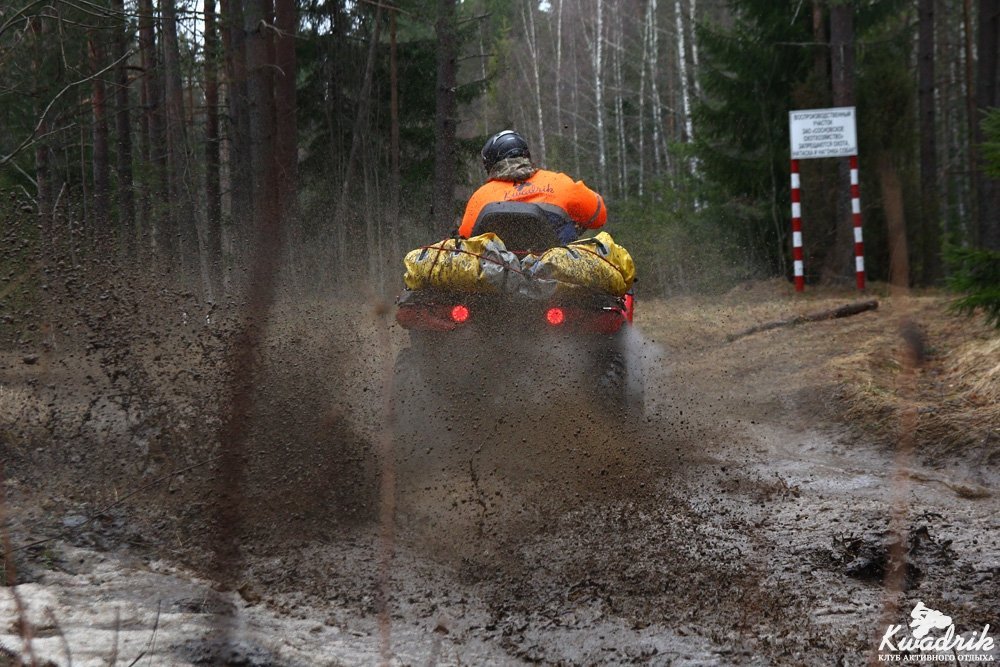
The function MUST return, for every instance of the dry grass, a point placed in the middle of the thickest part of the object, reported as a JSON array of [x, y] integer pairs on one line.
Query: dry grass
[[857, 360], [957, 393]]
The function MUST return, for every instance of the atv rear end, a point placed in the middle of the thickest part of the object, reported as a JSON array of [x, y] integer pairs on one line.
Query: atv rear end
[[514, 329], [465, 344]]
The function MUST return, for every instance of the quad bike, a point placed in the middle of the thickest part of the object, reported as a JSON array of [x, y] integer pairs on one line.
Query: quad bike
[[464, 346]]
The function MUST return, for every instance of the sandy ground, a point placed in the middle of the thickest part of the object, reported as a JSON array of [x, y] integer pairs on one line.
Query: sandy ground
[[741, 520]]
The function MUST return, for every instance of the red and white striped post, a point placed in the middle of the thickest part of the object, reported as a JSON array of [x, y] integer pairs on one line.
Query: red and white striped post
[[800, 281], [859, 246]]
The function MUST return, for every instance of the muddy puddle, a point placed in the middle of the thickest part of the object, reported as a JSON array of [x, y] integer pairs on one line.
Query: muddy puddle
[[732, 523]]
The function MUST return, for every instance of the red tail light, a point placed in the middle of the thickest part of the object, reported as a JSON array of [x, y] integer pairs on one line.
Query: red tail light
[[555, 316], [459, 314]]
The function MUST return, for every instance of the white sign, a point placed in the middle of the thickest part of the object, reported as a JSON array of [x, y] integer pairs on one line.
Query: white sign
[[823, 133]]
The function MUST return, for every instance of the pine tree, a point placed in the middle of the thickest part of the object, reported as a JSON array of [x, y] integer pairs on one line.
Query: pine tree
[[749, 74]]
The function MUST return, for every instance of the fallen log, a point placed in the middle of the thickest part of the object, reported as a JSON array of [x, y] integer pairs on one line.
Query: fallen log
[[843, 311]]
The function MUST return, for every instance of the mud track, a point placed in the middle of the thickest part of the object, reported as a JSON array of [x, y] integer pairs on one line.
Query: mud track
[[740, 521]]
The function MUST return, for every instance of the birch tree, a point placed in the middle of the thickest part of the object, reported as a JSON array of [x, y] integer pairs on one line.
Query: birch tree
[[597, 62], [652, 58], [123, 129], [534, 54], [683, 73]]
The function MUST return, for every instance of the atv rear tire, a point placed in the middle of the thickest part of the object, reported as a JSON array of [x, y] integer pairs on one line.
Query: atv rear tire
[[620, 383]]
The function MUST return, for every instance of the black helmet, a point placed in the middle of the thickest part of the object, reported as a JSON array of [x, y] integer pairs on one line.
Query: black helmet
[[503, 145]]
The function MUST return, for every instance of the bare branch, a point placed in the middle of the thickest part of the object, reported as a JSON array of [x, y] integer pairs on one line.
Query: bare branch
[[31, 137], [18, 15]]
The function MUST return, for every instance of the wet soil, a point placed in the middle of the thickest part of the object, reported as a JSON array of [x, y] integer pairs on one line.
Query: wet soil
[[740, 520]]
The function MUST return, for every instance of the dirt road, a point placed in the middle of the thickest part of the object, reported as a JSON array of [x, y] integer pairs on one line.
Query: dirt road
[[742, 521]]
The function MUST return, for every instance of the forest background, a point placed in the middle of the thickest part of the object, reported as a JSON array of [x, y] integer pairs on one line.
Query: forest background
[[180, 138]]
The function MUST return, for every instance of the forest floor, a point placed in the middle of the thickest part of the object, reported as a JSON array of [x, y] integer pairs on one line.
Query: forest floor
[[743, 520]]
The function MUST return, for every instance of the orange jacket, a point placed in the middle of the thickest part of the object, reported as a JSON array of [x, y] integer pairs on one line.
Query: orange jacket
[[582, 204]]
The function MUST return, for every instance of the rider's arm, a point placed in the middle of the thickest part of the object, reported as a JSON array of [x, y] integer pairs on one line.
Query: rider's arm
[[488, 192], [472, 209], [585, 206]]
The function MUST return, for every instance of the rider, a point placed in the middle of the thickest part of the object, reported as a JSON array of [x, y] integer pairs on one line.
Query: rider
[[512, 177]]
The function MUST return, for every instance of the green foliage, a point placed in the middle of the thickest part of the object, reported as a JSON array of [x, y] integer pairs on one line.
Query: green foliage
[[681, 247], [749, 74], [990, 125], [976, 273], [332, 56], [756, 69]]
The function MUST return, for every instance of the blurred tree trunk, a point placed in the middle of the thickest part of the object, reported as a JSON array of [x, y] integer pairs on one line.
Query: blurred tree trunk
[[260, 87], [213, 194], [345, 218], [971, 121], [821, 60], [123, 133], [394, 177], [534, 55], [238, 124], [931, 236], [642, 111], [84, 179], [444, 116], [892, 205], [43, 169], [693, 41], [100, 156], [838, 263], [154, 186], [558, 71], [683, 74], [285, 104], [618, 33], [181, 205], [661, 157], [597, 58], [987, 97]]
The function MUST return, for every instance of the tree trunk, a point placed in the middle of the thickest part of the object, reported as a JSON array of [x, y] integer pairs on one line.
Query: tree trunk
[[820, 54], [238, 126], [642, 109], [343, 218], [955, 180], [285, 104], [838, 263], [531, 39], [558, 72], [619, 33], [394, 176], [971, 120], [987, 97], [43, 169], [84, 176], [597, 56], [892, 205], [683, 73], [660, 155], [213, 194], [181, 206], [123, 134], [692, 22], [262, 115], [444, 116], [931, 236], [100, 157], [154, 187]]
